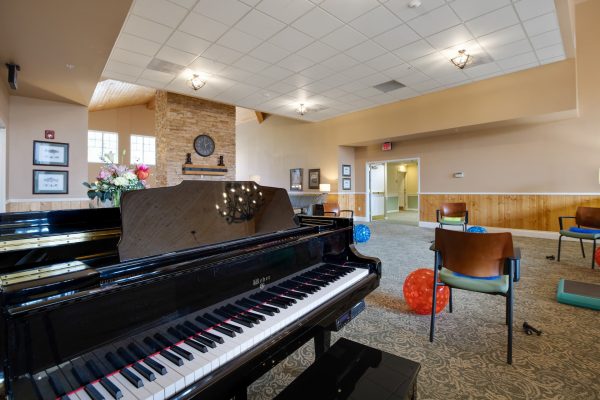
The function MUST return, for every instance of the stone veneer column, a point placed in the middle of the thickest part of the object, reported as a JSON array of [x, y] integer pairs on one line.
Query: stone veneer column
[[179, 119]]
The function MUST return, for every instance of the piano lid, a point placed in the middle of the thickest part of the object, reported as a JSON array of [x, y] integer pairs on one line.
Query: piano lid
[[198, 213]]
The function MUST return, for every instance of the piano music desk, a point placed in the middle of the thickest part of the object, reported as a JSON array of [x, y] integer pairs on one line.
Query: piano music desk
[[350, 370]]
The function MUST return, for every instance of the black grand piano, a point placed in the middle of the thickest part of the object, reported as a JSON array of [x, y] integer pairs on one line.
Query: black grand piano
[[192, 291]]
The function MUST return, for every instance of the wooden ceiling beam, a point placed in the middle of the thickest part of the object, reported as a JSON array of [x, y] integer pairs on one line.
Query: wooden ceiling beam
[[261, 116]]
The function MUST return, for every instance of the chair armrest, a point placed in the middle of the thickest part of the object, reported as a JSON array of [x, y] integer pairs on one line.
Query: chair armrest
[[437, 215], [560, 221], [330, 212], [350, 211], [512, 265], [467, 217]]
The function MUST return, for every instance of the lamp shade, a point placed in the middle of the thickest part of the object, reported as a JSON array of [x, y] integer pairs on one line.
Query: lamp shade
[[324, 187]]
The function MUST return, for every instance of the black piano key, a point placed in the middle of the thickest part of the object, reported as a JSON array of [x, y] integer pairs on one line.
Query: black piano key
[[298, 286], [198, 331], [93, 392], [155, 365], [174, 348], [178, 334], [132, 378], [137, 351], [57, 383], [106, 384], [196, 345], [43, 386], [129, 359], [238, 319], [188, 332], [305, 285], [81, 376], [270, 299], [114, 361], [162, 339], [263, 308], [246, 312], [172, 357], [314, 279], [148, 341], [125, 355], [287, 292], [224, 328]]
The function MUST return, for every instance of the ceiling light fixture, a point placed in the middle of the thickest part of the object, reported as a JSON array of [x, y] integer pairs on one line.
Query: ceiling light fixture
[[301, 110], [196, 82], [462, 59]]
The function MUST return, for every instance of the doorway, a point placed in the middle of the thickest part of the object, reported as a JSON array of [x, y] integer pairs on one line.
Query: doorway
[[3, 175], [393, 191]]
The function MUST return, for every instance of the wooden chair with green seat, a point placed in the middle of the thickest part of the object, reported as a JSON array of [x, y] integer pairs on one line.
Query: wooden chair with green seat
[[334, 209], [454, 214], [478, 262], [588, 228]]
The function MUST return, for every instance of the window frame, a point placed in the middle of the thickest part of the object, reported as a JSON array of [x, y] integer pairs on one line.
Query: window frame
[[131, 152], [103, 149]]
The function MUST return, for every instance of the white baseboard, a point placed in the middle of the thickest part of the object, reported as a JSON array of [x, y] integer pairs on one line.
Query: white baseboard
[[361, 219], [515, 232]]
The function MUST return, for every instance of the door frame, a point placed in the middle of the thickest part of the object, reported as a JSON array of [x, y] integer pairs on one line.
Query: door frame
[[367, 177]]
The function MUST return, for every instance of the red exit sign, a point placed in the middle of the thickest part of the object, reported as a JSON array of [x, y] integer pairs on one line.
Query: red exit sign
[[386, 146]]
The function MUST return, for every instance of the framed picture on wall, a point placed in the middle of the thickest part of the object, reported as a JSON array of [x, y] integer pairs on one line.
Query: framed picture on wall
[[50, 153], [346, 170], [314, 178], [296, 179], [50, 182], [346, 184]]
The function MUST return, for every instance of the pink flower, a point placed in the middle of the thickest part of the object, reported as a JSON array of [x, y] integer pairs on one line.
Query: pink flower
[[142, 171], [103, 174]]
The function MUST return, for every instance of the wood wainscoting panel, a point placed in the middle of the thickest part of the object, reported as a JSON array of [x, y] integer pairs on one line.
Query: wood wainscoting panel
[[350, 201], [538, 212]]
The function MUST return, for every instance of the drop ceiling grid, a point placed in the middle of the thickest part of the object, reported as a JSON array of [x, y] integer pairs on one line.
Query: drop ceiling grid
[[270, 55]]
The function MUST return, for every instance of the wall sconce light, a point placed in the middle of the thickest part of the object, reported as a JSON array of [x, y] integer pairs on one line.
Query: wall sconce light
[[462, 60], [196, 82], [402, 168], [324, 187]]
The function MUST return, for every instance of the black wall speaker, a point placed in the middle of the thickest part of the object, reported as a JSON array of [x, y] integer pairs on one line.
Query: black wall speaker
[[13, 69]]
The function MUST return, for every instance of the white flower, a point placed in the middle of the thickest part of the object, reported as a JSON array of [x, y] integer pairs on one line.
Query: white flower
[[130, 176], [120, 181]]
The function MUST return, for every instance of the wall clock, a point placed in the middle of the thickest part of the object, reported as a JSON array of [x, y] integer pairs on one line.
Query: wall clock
[[204, 145]]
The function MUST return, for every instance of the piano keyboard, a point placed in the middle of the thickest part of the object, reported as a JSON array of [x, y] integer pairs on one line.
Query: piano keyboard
[[159, 364]]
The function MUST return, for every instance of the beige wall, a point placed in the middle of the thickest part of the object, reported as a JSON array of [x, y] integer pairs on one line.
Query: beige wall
[[138, 120], [519, 156], [412, 179], [4, 98], [27, 121]]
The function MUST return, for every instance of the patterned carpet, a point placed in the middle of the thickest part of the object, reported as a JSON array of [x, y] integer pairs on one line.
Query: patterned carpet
[[467, 358]]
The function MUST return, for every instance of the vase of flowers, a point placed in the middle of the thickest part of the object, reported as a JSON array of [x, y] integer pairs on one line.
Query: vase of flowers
[[115, 179]]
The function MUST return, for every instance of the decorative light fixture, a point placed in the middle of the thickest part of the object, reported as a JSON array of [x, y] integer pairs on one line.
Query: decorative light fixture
[[240, 202], [196, 82], [462, 59], [402, 168], [301, 109]]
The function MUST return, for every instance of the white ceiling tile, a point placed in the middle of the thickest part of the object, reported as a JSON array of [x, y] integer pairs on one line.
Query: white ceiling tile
[[482, 70], [552, 59], [340, 62], [160, 11], [175, 56], [150, 83], [434, 64], [541, 24], [269, 52], [251, 64], [137, 44], [414, 50], [285, 10], [513, 62], [276, 72], [295, 63], [502, 37], [375, 79], [367, 92], [359, 71], [376, 21], [251, 3], [469, 9], [528, 9], [129, 57], [456, 76], [237, 91], [493, 21], [261, 81], [282, 87], [400, 71], [259, 25], [317, 72], [471, 47], [385, 61], [203, 27], [403, 93], [317, 23], [450, 37], [207, 65], [426, 86], [551, 52], [344, 38], [188, 43], [298, 80], [413, 78], [320, 86], [222, 54], [147, 29], [510, 50], [225, 11], [348, 10], [397, 37], [235, 73], [434, 21], [238, 40], [335, 93], [520, 67], [189, 4], [317, 51], [122, 68], [546, 39], [366, 51], [291, 39], [157, 76], [108, 74], [406, 13]]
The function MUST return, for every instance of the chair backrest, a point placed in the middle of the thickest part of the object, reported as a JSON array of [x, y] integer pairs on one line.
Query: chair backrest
[[332, 208], [474, 254], [588, 216], [453, 209]]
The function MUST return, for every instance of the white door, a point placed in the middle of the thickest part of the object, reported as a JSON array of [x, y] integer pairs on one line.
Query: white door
[[377, 191]]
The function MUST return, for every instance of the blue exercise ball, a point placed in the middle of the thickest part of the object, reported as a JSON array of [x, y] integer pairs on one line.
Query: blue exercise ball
[[477, 229], [362, 233]]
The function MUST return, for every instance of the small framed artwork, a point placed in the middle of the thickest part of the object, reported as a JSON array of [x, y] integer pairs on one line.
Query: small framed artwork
[[346, 170], [346, 184], [50, 153], [50, 182], [296, 179], [314, 178]]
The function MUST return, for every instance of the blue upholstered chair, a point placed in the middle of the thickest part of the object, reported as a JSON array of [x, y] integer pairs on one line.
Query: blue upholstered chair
[[588, 228]]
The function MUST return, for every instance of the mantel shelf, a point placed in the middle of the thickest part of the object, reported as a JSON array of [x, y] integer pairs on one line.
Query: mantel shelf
[[194, 169]]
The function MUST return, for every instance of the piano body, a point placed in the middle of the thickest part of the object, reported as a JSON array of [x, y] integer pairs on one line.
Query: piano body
[[192, 291]]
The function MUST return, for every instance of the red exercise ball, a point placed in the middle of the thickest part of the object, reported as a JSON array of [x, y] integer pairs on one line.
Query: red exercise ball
[[418, 292], [597, 256]]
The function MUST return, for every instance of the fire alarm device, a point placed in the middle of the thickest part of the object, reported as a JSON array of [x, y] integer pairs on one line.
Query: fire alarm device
[[386, 146]]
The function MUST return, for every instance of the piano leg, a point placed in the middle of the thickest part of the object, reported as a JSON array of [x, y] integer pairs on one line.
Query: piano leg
[[322, 342]]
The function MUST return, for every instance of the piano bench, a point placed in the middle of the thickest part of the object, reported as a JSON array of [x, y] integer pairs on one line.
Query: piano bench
[[350, 370]]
